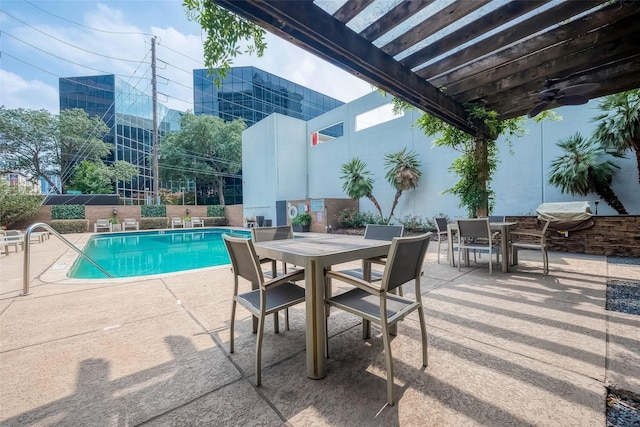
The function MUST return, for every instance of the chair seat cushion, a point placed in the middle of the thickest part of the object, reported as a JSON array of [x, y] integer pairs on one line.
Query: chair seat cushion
[[279, 297], [369, 304]]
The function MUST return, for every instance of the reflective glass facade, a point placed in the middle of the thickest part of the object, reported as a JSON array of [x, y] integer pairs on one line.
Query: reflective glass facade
[[252, 94], [129, 114]]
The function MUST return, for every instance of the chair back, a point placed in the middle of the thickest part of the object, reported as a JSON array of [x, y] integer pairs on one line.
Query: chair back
[[496, 218], [265, 234], [102, 222], [441, 224], [405, 259], [244, 259], [130, 221], [383, 232], [474, 228]]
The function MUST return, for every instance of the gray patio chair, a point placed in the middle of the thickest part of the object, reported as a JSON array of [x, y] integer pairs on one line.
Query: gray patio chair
[[442, 233], [265, 297], [533, 240], [378, 304], [475, 234], [376, 232], [265, 234]]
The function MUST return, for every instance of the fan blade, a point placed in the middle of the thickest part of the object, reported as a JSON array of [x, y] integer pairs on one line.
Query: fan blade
[[538, 109], [579, 89], [572, 100], [547, 94]]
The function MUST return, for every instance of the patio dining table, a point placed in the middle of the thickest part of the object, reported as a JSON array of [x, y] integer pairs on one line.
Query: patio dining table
[[316, 253], [502, 227]]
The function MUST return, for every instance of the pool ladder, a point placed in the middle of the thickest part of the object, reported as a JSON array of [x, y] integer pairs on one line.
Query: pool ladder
[[27, 254]]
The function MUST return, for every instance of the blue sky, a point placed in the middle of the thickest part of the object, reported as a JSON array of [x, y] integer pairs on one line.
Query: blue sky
[[44, 40]]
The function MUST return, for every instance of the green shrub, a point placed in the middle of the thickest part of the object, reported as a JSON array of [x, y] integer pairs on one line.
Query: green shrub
[[152, 211], [415, 223], [302, 219], [153, 223], [66, 226], [215, 211], [215, 221], [352, 218], [67, 212]]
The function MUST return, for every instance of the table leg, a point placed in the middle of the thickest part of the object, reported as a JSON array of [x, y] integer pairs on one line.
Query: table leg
[[452, 261], [315, 320], [504, 244]]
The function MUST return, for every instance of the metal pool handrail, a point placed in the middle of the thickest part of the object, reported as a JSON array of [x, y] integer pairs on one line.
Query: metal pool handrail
[[27, 254]]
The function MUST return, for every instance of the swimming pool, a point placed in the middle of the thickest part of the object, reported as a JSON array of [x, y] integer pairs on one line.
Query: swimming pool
[[152, 252]]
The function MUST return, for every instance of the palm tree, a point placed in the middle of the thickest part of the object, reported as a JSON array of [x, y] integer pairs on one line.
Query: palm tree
[[358, 182], [403, 173], [582, 170], [619, 127]]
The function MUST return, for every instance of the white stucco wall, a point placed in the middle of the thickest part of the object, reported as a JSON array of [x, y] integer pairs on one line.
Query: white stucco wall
[[274, 164], [304, 171]]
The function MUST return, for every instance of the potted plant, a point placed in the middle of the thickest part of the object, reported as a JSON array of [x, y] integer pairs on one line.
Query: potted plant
[[115, 224], [301, 222]]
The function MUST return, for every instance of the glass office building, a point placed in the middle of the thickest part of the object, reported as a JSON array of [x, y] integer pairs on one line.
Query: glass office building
[[252, 94], [128, 112]]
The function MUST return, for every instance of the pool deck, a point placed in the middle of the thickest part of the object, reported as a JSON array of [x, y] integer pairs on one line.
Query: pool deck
[[512, 349]]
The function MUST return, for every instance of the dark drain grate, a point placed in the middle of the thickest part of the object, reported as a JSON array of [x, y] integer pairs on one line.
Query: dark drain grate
[[623, 296], [622, 410]]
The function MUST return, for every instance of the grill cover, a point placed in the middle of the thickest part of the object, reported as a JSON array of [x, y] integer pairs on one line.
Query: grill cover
[[566, 216]]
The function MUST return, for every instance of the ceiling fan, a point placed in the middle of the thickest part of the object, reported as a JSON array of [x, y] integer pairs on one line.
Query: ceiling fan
[[570, 95]]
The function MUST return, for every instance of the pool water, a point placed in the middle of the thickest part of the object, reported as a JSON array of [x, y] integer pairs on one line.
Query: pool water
[[152, 252]]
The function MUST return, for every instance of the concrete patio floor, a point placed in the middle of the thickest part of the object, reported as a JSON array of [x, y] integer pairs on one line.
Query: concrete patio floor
[[512, 349]]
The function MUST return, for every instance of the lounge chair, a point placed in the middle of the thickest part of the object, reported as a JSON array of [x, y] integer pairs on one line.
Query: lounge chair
[[13, 238], [102, 224], [130, 223], [196, 221], [176, 222]]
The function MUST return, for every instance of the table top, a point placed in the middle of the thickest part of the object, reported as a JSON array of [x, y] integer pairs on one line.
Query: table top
[[331, 248]]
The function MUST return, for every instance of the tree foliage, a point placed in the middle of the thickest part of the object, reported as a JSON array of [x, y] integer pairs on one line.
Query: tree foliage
[[225, 32], [619, 123], [358, 182], [41, 144], [403, 173], [585, 167], [97, 178], [206, 149], [17, 203], [473, 188]]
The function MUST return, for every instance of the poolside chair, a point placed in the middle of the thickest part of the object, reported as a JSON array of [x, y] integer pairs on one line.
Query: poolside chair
[[177, 222], [130, 223], [196, 221], [475, 234], [442, 233], [533, 240], [265, 297], [13, 238], [265, 234], [102, 224], [378, 304]]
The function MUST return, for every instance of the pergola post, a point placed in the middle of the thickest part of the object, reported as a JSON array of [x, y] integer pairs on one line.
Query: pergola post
[[481, 154]]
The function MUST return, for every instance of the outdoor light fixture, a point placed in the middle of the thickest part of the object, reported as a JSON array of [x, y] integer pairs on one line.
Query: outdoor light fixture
[[596, 202], [115, 211], [188, 211]]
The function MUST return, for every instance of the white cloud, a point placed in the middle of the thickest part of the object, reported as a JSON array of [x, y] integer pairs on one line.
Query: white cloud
[[17, 92]]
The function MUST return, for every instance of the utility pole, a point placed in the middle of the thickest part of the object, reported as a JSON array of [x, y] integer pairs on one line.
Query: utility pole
[[154, 90]]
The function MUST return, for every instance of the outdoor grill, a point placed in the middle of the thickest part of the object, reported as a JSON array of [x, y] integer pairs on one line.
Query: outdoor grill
[[566, 216]]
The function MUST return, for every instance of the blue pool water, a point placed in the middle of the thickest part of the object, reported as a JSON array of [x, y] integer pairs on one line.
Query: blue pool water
[[152, 252]]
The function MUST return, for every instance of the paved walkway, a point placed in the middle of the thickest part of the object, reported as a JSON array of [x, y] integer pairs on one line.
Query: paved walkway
[[514, 349]]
